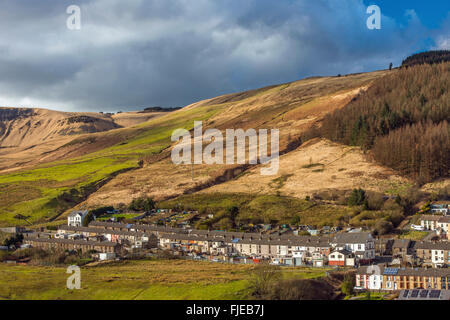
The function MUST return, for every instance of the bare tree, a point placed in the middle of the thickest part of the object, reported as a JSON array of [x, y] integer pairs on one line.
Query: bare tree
[[263, 277]]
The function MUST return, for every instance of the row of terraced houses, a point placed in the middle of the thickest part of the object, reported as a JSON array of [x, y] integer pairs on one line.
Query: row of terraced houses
[[343, 249], [380, 277]]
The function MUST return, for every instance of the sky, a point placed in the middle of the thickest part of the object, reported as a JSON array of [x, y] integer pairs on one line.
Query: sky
[[133, 54]]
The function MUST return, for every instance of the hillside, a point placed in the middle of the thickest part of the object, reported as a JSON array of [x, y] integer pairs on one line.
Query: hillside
[[293, 108], [429, 57], [403, 120], [91, 166], [32, 136], [28, 127], [115, 166], [317, 166]]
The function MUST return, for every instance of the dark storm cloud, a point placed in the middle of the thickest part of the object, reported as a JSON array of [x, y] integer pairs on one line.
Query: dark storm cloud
[[137, 53]]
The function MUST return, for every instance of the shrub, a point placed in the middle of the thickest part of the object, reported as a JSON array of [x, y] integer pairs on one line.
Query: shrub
[[101, 211], [263, 278], [142, 204], [16, 239], [347, 285], [383, 227], [357, 198], [375, 201], [301, 289]]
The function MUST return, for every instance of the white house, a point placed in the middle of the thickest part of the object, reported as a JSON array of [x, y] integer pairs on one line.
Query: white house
[[342, 258], [442, 208], [436, 223], [429, 222], [370, 277], [438, 258], [76, 218], [443, 223], [106, 256], [361, 244]]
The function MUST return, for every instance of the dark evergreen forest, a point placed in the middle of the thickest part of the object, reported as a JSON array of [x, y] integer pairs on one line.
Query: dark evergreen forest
[[402, 120], [430, 57]]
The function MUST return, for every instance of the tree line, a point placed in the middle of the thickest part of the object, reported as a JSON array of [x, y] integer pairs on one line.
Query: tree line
[[429, 57]]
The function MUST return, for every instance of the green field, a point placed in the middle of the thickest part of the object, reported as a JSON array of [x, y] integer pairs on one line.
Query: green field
[[413, 235], [138, 280]]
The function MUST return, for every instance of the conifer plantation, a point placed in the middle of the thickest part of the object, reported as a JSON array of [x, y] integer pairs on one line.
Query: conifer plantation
[[403, 119], [429, 57]]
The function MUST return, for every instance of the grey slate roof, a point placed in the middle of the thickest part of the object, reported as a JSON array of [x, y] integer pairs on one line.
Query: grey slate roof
[[103, 231], [417, 272], [78, 242], [428, 245], [75, 213], [359, 237], [428, 217], [401, 243]]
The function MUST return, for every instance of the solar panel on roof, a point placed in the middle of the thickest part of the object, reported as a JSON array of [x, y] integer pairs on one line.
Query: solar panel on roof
[[390, 271], [405, 294], [423, 293], [414, 293], [435, 294]]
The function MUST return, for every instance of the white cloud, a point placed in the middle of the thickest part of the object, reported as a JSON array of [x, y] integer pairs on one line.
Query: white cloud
[[443, 43]]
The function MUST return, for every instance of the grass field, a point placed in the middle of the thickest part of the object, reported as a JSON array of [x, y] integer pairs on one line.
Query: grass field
[[363, 296], [413, 235], [138, 280]]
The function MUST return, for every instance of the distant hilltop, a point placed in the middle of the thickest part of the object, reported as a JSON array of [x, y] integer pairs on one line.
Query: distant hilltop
[[158, 109], [429, 57]]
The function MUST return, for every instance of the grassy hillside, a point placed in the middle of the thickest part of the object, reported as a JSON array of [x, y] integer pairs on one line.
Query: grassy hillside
[[292, 108], [137, 280], [429, 57], [48, 190], [316, 166], [328, 208]]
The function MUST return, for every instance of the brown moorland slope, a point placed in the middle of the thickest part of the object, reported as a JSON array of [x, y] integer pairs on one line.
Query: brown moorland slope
[[28, 127], [317, 166], [29, 136], [292, 108]]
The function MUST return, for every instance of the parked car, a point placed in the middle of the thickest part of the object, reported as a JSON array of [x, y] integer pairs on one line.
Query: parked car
[[417, 227]]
